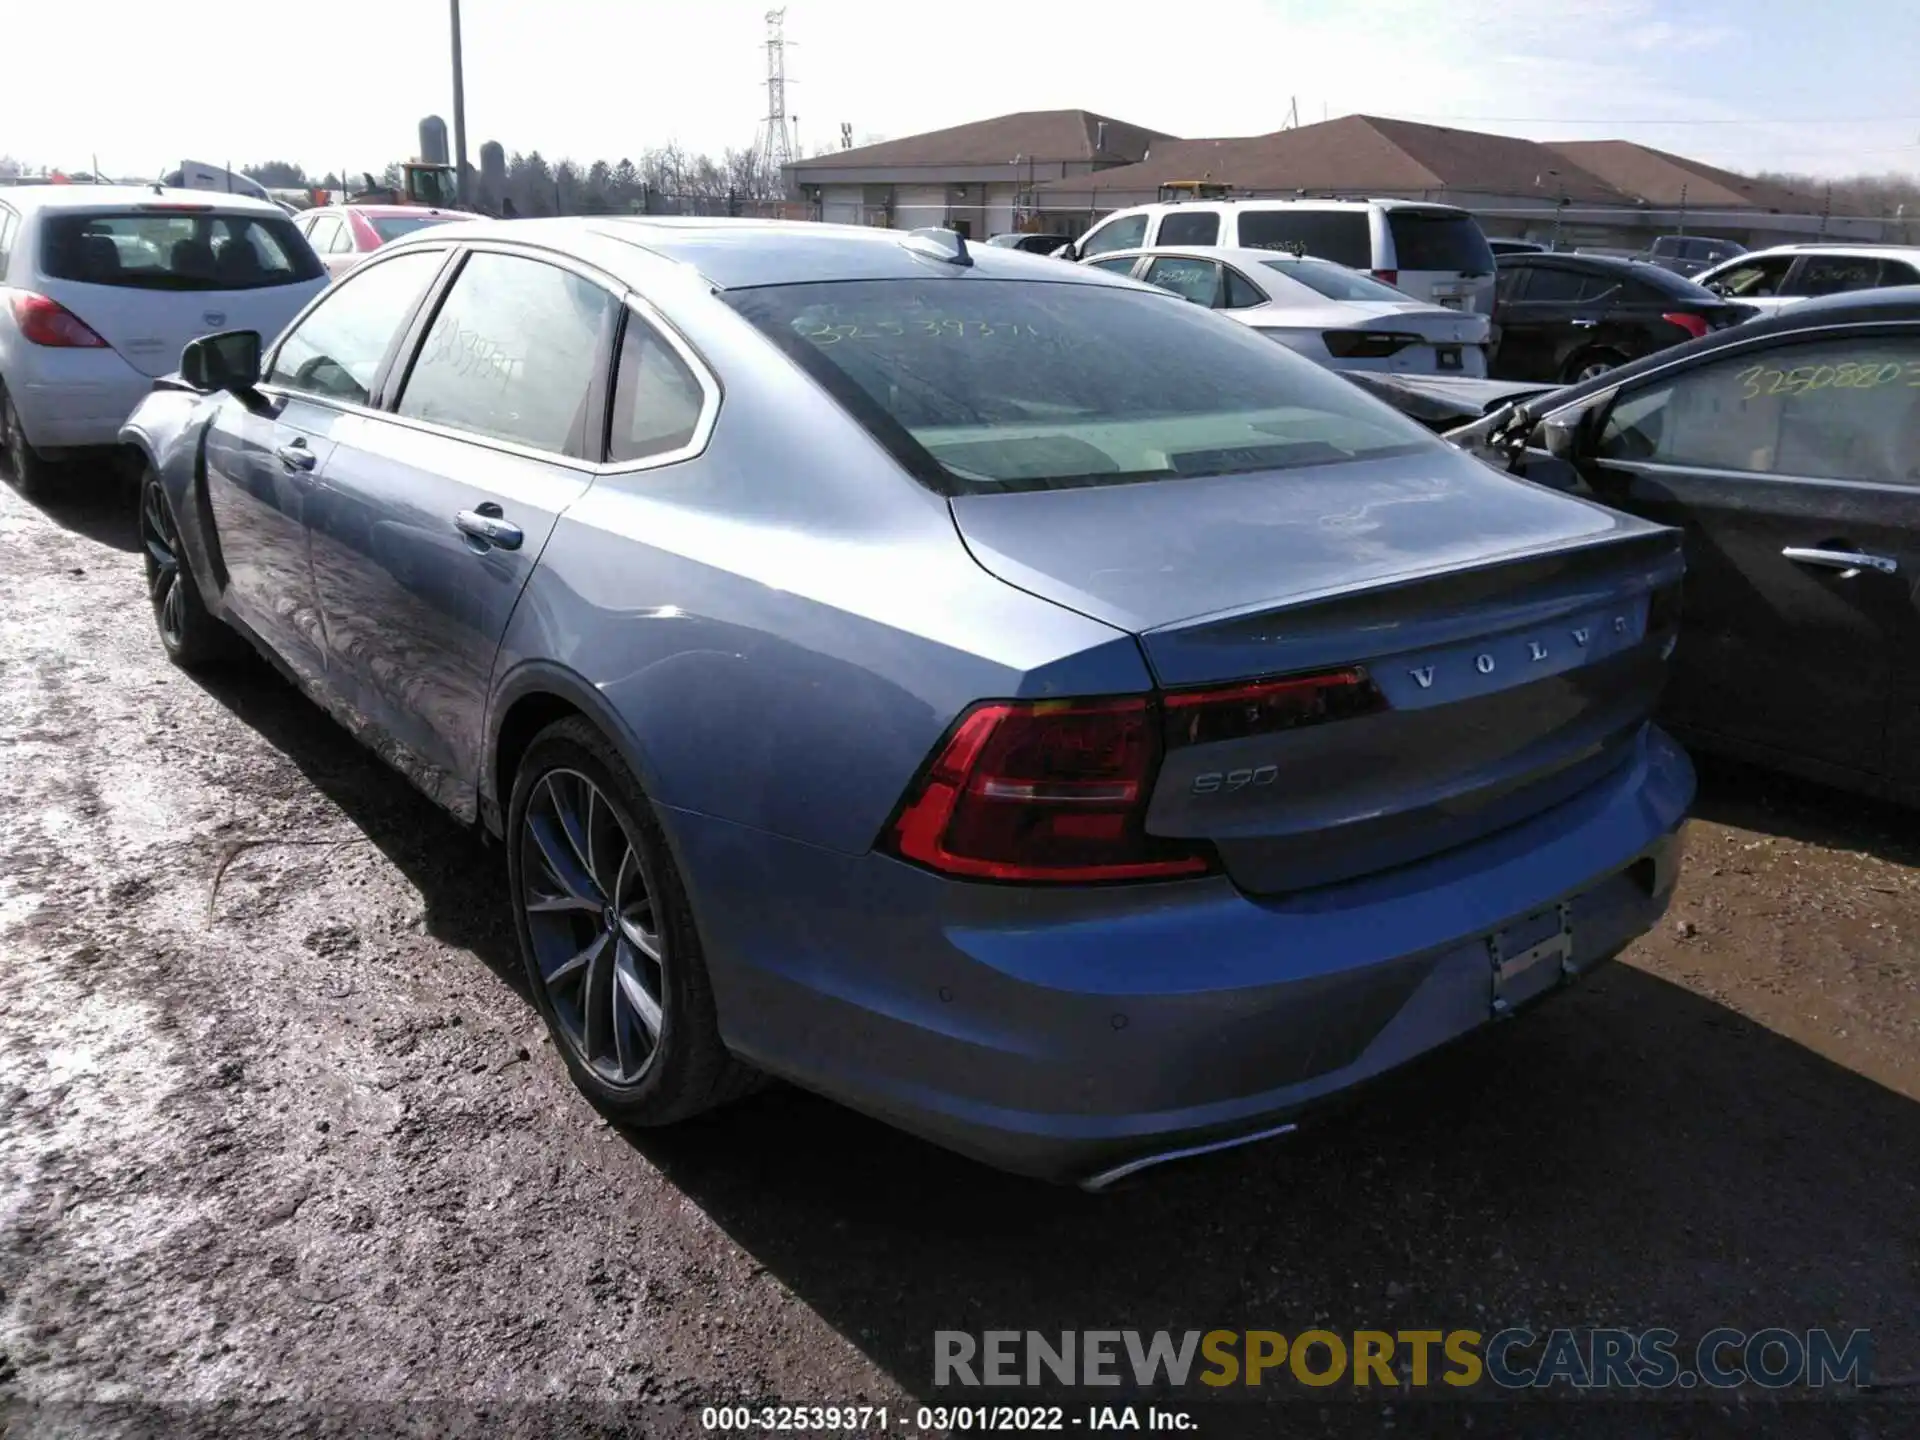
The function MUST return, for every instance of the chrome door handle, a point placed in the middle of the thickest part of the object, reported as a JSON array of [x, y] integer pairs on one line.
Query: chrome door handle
[[295, 455], [490, 529], [1583, 324], [1850, 562]]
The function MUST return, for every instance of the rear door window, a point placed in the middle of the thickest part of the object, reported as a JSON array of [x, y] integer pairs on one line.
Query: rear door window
[[1341, 236], [1553, 285], [1190, 278], [512, 353], [1189, 227], [176, 249], [1438, 240], [1835, 274]]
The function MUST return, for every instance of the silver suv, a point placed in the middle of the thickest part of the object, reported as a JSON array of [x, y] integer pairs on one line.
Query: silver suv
[[1435, 253]]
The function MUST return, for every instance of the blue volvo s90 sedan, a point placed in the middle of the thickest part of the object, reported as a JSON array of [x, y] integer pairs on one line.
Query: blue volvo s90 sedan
[[993, 693]]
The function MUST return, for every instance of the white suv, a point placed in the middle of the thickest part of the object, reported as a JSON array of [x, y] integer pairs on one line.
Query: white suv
[[101, 286], [1771, 280], [1435, 253]]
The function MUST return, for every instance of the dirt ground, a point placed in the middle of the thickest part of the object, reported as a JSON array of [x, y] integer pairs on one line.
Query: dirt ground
[[291, 1153]]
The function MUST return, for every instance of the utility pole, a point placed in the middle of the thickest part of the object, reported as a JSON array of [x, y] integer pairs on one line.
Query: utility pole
[[776, 137], [459, 112]]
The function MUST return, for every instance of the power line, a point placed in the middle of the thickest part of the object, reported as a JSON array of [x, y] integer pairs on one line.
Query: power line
[[1564, 120]]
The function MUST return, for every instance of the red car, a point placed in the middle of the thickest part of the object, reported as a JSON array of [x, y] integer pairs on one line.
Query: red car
[[344, 235]]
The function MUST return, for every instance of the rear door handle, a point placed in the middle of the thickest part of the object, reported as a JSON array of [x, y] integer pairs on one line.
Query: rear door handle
[[295, 455], [1584, 324], [483, 523], [1849, 562]]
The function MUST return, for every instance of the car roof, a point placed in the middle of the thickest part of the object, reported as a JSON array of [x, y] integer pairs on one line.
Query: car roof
[[737, 254], [1893, 304], [386, 212], [1615, 265], [127, 197], [1298, 202], [1243, 255], [1824, 247]]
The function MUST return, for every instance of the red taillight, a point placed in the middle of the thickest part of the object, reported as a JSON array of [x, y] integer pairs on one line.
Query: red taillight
[[1050, 790], [1199, 717], [1387, 277], [1694, 325], [48, 322], [1366, 344], [1058, 790]]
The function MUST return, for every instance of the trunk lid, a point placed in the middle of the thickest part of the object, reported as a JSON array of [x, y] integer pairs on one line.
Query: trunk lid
[[1510, 631]]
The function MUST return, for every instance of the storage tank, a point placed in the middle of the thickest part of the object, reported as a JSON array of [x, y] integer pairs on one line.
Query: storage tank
[[433, 140], [493, 175]]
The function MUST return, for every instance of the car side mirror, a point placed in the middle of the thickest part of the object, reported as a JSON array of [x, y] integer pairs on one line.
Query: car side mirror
[[229, 361], [1068, 251]]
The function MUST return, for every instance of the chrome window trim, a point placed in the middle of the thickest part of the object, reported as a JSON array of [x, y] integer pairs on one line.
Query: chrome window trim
[[711, 393]]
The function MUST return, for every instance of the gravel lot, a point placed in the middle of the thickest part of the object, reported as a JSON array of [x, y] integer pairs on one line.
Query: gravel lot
[[282, 1144]]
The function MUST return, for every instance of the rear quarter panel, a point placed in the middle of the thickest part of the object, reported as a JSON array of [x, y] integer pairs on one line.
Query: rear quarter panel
[[784, 626]]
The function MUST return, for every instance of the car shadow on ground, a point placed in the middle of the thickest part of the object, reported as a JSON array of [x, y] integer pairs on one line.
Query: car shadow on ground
[[1630, 1154], [1733, 792], [96, 501]]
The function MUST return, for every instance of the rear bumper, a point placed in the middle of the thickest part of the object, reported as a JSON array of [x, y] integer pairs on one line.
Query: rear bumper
[[1061, 1034], [69, 399]]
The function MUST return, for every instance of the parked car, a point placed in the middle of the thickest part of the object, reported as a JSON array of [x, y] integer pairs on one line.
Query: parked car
[[1005, 699], [104, 283], [1434, 253], [1571, 317], [344, 235], [1771, 280], [1034, 244], [1689, 254], [1788, 450], [1503, 246], [1334, 316]]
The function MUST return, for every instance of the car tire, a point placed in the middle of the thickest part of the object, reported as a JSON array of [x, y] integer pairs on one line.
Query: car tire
[[194, 639], [32, 472], [607, 936], [1586, 364]]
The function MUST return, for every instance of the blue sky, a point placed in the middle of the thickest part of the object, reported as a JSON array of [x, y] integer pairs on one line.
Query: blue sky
[[1821, 87]]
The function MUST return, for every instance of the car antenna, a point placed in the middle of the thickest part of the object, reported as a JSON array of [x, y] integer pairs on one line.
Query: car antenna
[[947, 245]]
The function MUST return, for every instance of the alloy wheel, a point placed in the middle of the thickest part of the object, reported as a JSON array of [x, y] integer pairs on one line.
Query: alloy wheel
[[1591, 369], [595, 930], [162, 545]]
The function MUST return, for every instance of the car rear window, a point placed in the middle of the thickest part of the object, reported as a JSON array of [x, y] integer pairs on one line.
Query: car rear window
[[1439, 240], [1342, 236], [392, 227], [1336, 282], [1666, 285], [982, 387], [176, 250]]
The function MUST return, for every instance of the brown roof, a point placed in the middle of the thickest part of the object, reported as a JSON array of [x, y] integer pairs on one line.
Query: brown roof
[[1364, 154], [1039, 135], [1658, 178]]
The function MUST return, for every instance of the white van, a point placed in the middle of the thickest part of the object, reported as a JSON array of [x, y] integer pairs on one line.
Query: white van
[[1435, 253]]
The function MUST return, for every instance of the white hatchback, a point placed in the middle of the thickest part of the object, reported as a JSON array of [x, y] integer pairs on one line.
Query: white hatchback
[[1338, 317], [101, 286]]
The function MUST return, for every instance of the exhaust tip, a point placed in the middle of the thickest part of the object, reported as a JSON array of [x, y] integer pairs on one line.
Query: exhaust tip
[[1107, 1179]]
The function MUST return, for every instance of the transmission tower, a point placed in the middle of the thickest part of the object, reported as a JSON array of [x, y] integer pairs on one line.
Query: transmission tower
[[776, 135]]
